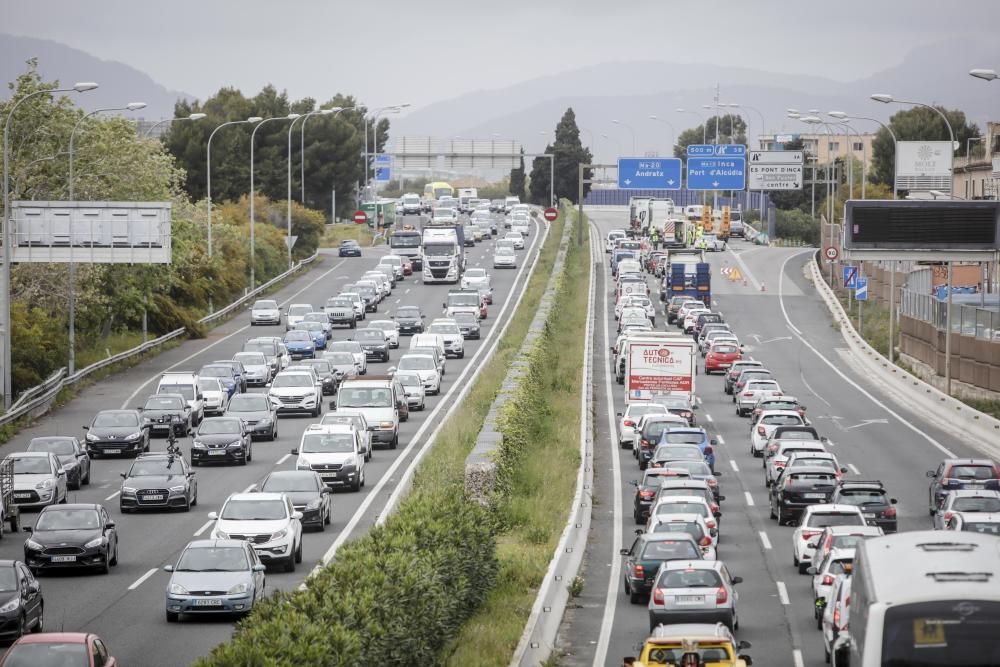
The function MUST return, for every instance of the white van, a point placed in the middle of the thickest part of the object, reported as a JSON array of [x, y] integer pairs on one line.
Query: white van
[[187, 385]]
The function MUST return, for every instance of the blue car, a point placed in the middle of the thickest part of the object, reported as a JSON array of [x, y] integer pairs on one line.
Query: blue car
[[224, 374], [316, 331], [215, 577], [349, 248], [300, 344], [692, 435]]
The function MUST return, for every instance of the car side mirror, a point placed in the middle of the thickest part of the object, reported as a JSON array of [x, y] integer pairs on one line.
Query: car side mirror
[[139, 408], [721, 498], [28, 529], [295, 451], [86, 428], [297, 516], [213, 515], [812, 544], [619, 414], [843, 469], [109, 525], [717, 473], [188, 407], [191, 473], [62, 472], [123, 475], [422, 316], [714, 441], [811, 570], [892, 501], [930, 473], [623, 552], [168, 568], [737, 580], [259, 567]]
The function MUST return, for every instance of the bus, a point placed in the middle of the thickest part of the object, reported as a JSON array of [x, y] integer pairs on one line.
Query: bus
[[436, 190]]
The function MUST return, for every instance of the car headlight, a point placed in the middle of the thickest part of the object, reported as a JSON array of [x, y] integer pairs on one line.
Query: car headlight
[[264, 422], [134, 436], [235, 443], [239, 588], [386, 425], [33, 545], [11, 606], [91, 437], [46, 484], [94, 543], [279, 535], [197, 444], [178, 489], [147, 420], [128, 489], [314, 504], [302, 465], [177, 589]]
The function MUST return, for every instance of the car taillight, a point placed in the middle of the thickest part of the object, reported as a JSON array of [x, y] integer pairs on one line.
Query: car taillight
[[628, 422], [748, 393], [890, 513], [710, 524], [788, 482], [712, 481], [645, 443], [715, 508], [706, 541], [639, 571], [781, 464], [721, 595], [806, 535], [827, 580], [756, 414], [761, 430], [657, 596], [647, 494], [772, 449], [836, 615], [686, 414], [948, 515]]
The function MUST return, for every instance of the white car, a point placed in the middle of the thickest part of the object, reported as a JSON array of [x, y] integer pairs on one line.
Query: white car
[[824, 574], [413, 387], [353, 418], [360, 312], [517, 238], [691, 317], [296, 312], [692, 524], [504, 258], [840, 537], [753, 392], [479, 280], [836, 612], [335, 452], [355, 349], [268, 521], [265, 312], [633, 312], [668, 418], [640, 301], [295, 390], [814, 519], [424, 366], [258, 371], [764, 426], [381, 281], [688, 306], [521, 224], [672, 505], [976, 522], [454, 342], [711, 242], [389, 328], [39, 479], [216, 397], [447, 216], [716, 335], [396, 262], [967, 502], [627, 420], [609, 241], [776, 462]]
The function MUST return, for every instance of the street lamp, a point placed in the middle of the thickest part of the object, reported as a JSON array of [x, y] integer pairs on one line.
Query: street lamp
[[886, 99], [253, 240], [80, 87], [302, 144], [673, 132], [704, 123], [392, 108], [208, 183], [631, 131], [302, 156], [194, 116], [985, 74]]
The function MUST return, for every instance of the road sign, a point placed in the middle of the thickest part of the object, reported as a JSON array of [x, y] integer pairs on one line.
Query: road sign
[[831, 253], [861, 291], [290, 241], [731, 150], [775, 157], [551, 214], [716, 173], [383, 174], [360, 217], [850, 277], [775, 170], [649, 173], [701, 150], [383, 160]]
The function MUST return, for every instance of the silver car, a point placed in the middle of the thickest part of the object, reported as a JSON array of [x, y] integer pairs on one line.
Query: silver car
[[265, 312], [413, 387], [694, 591], [214, 577], [39, 479]]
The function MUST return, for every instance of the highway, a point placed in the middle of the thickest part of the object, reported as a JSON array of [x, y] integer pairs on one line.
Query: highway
[[781, 320], [126, 607]]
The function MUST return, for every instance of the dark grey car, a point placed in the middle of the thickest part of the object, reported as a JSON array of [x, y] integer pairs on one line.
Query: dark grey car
[[159, 410], [115, 432], [307, 491], [258, 413], [158, 481], [222, 440], [71, 454]]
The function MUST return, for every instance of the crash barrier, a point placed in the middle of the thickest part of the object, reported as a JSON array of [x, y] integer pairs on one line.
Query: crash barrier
[[614, 197], [38, 400]]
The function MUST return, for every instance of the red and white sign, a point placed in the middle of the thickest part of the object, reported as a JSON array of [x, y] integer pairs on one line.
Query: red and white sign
[[360, 217], [831, 253], [659, 367], [551, 214]]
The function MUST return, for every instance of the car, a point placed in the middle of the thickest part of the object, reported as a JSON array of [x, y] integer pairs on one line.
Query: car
[[316, 331], [814, 519], [694, 475], [627, 420], [666, 453], [710, 242], [395, 262], [734, 372], [158, 481], [413, 388], [382, 401], [504, 257], [645, 491], [308, 493], [215, 398], [753, 391], [272, 351], [296, 391], [692, 435], [266, 520], [335, 452], [355, 418], [794, 493], [349, 248], [265, 311], [694, 591], [55, 648], [166, 412], [326, 372], [693, 525], [391, 330], [966, 502], [300, 344], [358, 303], [648, 430], [451, 335], [716, 335], [114, 432], [764, 425], [612, 236], [696, 503], [22, 606], [692, 644], [433, 344], [385, 280], [222, 440], [647, 553], [836, 613], [836, 563], [374, 344], [409, 319], [77, 535], [322, 319], [39, 479], [674, 305], [747, 374], [478, 279], [342, 310], [779, 451], [257, 412], [225, 373], [976, 522], [71, 455], [343, 363], [791, 433], [468, 325], [954, 474], [814, 459], [425, 366], [706, 319], [295, 313], [369, 292], [839, 537], [870, 495], [721, 356], [230, 567], [354, 348], [258, 371], [703, 328]]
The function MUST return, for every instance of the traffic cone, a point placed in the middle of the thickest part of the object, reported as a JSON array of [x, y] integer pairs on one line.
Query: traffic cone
[[744, 282], [762, 288]]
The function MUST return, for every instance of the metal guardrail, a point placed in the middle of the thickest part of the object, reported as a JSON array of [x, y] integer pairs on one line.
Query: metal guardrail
[[976, 321], [37, 400]]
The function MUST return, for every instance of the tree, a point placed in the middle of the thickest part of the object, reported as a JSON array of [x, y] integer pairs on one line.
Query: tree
[[569, 155], [788, 200], [916, 124], [517, 180], [732, 130]]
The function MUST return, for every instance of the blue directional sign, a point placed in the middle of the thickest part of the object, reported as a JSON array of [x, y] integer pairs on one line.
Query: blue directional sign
[[716, 173], [383, 159], [851, 277], [701, 150], [706, 150], [649, 173], [383, 174], [861, 290]]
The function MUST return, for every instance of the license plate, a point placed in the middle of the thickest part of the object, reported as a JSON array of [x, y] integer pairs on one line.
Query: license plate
[[64, 559], [975, 486], [869, 515], [22, 494], [690, 599], [156, 497], [724, 365], [815, 495], [216, 452], [208, 602], [112, 451]]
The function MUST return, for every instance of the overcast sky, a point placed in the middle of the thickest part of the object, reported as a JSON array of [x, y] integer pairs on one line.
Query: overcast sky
[[421, 51]]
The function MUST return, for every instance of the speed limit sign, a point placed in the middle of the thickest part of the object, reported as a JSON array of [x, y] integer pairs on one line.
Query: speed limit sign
[[831, 253]]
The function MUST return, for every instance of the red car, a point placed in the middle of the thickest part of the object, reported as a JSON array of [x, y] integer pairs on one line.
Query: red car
[[483, 310], [76, 649], [721, 356], [407, 269]]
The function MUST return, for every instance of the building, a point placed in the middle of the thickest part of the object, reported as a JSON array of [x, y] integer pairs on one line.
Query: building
[[977, 176], [824, 146]]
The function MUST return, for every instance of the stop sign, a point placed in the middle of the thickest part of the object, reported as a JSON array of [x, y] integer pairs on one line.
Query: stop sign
[[360, 217], [551, 214]]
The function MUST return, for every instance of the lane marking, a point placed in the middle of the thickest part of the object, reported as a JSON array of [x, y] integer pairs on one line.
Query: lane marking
[[782, 593], [749, 498], [797, 658], [831, 442], [709, 418], [719, 438], [813, 391], [113, 496], [208, 524], [764, 540], [854, 468], [138, 582], [407, 291], [732, 464], [746, 270], [282, 460]]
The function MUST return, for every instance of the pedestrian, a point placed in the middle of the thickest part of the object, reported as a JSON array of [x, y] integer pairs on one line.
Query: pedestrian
[[654, 237]]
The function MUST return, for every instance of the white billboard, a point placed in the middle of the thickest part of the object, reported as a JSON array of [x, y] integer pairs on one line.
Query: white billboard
[[922, 166]]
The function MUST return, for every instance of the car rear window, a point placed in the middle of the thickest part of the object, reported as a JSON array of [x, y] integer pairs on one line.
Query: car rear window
[[682, 508], [985, 527], [724, 349], [691, 578], [824, 519], [861, 497], [976, 504], [972, 472], [669, 550], [845, 541], [691, 528], [813, 477], [781, 420]]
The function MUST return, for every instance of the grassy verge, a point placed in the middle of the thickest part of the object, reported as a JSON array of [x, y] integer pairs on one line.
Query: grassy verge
[[334, 234]]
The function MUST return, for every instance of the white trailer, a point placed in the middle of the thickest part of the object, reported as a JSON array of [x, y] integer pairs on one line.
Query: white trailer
[[660, 366]]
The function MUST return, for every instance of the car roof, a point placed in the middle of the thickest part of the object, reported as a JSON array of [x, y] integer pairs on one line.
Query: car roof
[[974, 493], [811, 470], [73, 506], [208, 544], [56, 638], [33, 455], [854, 530], [259, 495], [329, 428], [980, 462], [676, 631], [831, 508], [676, 518], [781, 413], [691, 565]]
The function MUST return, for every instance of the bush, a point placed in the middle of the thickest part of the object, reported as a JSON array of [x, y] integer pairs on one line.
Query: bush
[[797, 225]]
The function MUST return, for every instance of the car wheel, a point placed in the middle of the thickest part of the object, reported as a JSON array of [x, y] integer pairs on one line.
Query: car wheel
[[22, 626], [86, 478], [802, 569], [249, 452], [76, 483], [781, 516], [114, 557], [290, 564], [244, 459], [356, 484], [461, 355], [395, 442], [105, 568], [274, 434], [195, 462], [40, 624], [770, 510], [173, 617], [329, 517]]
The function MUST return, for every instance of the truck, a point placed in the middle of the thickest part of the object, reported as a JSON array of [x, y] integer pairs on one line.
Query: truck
[[443, 251], [688, 274], [11, 512], [406, 244], [465, 197], [386, 208], [638, 215], [660, 365]]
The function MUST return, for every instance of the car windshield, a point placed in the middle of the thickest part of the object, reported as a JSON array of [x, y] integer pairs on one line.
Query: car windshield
[[219, 426], [724, 349], [329, 443], [254, 510], [464, 300], [119, 419], [824, 519], [350, 420], [635, 411], [409, 379], [691, 528], [267, 349], [404, 241], [466, 318], [63, 446], [185, 390], [299, 309], [163, 403], [340, 358], [439, 250], [475, 273], [365, 397], [213, 559], [416, 363], [684, 438], [31, 465], [693, 468], [48, 654], [976, 504], [317, 317], [444, 329], [349, 346], [321, 366], [293, 380], [781, 405], [690, 578], [677, 452], [682, 508], [216, 372], [8, 580], [248, 403], [504, 250], [265, 305], [250, 358], [348, 243], [669, 550], [297, 335], [815, 462], [371, 336], [339, 303], [294, 481], [408, 313], [65, 519], [310, 327], [157, 466], [383, 325], [972, 472]]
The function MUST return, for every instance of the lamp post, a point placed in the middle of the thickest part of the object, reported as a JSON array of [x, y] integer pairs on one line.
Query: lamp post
[[842, 115], [631, 131], [194, 116], [80, 87], [253, 239], [673, 132], [704, 122], [71, 364], [302, 156], [888, 99], [392, 108], [984, 74], [302, 145]]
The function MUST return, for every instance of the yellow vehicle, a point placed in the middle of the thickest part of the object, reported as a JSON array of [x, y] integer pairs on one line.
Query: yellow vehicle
[[691, 645], [436, 190]]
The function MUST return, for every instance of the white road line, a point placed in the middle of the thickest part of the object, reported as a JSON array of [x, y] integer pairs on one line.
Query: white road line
[[398, 300], [138, 582], [831, 442], [854, 468], [782, 592], [208, 524], [797, 660], [709, 418], [128, 401], [835, 369], [746, 269], [732, 464], [813, 391], [407, 291], [764, 540], [719, 438], [282, 460], [749, 498], [113, 496]]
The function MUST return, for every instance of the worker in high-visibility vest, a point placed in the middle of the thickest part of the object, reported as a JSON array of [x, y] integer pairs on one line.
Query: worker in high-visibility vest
[[654, 237]]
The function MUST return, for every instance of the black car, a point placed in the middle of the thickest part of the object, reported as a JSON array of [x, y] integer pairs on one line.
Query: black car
[[349, 248], [71, 454], [647, 553], [81, 535], [325, 371], [222, 440], [797, 488], [158, 481], [410, 320], [645, 491], [468, 324], [307, 492], [115, 432], [374, 343], [706, 318], [21, 603], [163, 411], [879, 509], [258, 412]]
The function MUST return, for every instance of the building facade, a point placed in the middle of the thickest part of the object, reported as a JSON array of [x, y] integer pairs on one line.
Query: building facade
[[978, 175], [824, 147]]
